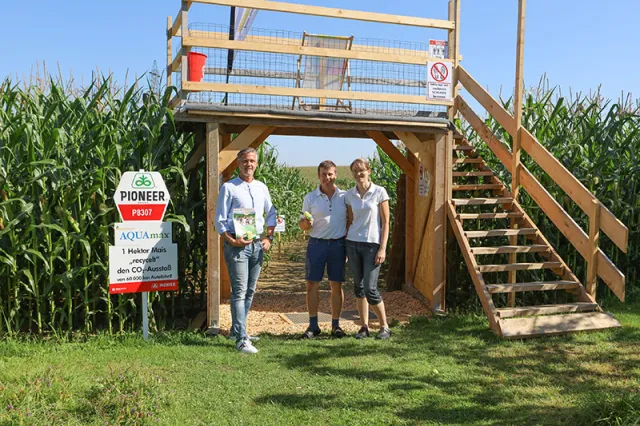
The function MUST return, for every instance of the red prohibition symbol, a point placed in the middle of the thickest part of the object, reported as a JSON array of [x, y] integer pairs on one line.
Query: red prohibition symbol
[[439, 71]]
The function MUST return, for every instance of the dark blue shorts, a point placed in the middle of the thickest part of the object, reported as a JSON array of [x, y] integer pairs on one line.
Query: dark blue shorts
[[329, 253]]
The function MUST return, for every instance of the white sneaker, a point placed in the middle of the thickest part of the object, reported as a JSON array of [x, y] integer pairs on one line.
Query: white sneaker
[[251, 338], [247, 348]]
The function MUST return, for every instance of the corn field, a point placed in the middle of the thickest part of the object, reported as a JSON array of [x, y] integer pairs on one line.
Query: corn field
[[62, 153]]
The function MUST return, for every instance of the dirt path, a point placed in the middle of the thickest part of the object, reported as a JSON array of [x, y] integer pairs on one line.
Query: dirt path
[[282, 290]]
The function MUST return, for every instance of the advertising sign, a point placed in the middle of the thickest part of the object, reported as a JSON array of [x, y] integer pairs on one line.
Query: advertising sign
[[139, 269], [141, 196]]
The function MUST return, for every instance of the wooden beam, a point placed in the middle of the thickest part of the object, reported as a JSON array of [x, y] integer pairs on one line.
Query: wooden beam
[[410, 227], [197, 153], [281, 40], [193, 86], [169, 49], [493, 142], [439, 223], [250, 135], [225, 279], [493, 107], [394, 153], [177, 23], [176, 63], [213, 239], [290, 75], [328, 12], [594, 239], [184, 19], [288, 49], [515, 149], [255, 145]]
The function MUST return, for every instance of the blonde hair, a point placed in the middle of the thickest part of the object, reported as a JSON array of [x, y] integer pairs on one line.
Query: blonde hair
[[362, 163]]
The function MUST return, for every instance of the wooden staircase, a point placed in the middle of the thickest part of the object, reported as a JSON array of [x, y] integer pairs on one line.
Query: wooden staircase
[[514, 243]]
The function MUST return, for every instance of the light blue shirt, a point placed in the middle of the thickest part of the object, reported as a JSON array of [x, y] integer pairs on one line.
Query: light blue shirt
[[238, 194]]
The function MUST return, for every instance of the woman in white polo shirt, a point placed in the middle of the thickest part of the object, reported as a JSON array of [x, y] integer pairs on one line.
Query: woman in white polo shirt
[[368, 224]]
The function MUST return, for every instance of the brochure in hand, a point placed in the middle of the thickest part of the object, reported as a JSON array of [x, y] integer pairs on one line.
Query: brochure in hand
[[244, 220]]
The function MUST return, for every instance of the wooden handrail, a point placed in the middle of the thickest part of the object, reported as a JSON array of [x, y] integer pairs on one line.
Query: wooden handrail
[[609, 273], [302, 9], [615, 230], [193, 86], [220, 43]]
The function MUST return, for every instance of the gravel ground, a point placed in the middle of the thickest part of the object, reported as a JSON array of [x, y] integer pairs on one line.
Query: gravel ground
[[282, 289]]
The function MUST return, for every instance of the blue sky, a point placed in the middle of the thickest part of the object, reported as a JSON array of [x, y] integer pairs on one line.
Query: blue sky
[[576, 44]]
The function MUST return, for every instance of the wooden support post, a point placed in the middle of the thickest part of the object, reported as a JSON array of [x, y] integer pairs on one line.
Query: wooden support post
[[169, 49], [213, 239], [411, 194], [594, 241], [225, 279], [439, 223], [185, 66], [516, 150], [454, 55], [390, 149]]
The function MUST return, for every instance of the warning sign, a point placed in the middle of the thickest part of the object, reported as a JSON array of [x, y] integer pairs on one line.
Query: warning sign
[[423, 182], [439, 81], [438, 49]]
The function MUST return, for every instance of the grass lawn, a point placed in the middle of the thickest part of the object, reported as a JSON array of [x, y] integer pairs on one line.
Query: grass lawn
[[440, 371]]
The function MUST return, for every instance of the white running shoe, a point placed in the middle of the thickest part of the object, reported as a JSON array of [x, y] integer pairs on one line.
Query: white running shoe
[[247, 348]]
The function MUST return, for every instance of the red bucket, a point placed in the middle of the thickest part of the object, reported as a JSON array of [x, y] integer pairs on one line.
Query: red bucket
[[196, 63]]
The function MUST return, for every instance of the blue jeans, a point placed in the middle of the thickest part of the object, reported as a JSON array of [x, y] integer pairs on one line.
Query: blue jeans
[[362, 262], [244, 264]]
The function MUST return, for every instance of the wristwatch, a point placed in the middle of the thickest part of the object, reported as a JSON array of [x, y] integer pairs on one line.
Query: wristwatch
[[270, 237]]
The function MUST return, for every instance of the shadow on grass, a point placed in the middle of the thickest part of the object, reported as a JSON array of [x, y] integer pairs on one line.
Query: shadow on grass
[[559, 380]]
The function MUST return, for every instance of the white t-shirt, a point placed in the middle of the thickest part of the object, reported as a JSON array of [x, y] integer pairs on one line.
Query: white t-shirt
[[367, 224], [329, 215]]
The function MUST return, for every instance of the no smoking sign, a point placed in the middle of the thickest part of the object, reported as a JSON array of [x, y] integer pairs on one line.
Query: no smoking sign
[[439, 81]]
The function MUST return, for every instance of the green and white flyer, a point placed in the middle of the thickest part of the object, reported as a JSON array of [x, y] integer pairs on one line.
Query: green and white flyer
[[244, 221]]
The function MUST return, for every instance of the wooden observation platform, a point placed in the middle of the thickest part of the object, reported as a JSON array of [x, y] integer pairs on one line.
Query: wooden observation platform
[[281, 83]]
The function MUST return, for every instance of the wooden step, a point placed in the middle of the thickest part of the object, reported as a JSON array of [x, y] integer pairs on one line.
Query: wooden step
[[462, 148], [470, 174], [535, 248], [480, 201], [519, 267], [476, 187], [467, 216], [532, 286], [499, 233], [518, 328], [564, 308], [467, 160]]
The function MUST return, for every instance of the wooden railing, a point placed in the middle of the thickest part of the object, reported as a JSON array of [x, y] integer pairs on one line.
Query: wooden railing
[[178, 27], [600, 218]]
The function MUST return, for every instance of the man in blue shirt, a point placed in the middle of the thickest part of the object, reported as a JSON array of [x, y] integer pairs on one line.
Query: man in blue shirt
[[244, 256]]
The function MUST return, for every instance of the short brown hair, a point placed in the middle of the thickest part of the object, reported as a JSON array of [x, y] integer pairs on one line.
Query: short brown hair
[[361, 163], [246, 151], [327, 164]]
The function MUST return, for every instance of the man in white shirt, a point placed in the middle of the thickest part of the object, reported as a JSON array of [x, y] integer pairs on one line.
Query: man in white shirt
[[328, 227], [244, 256]]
